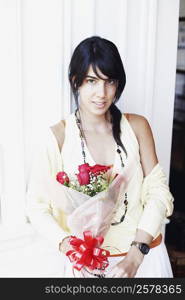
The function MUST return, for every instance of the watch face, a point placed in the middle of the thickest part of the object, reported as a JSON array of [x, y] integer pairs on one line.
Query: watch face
[[144, 248]]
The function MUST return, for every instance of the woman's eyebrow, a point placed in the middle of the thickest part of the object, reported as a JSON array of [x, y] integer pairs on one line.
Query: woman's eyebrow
[[93, 77], [97, 78]]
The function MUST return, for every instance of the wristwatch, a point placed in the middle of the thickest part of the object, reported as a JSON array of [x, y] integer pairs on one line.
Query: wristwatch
[[144, 248]]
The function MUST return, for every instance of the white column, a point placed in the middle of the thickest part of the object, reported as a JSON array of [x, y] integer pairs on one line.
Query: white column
[[67, 11], [152, 31], [164, 81], [44, 88], [11, 114]]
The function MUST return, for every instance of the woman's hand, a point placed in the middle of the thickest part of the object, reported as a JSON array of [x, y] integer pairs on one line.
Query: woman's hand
[[128, 266], [64, 245]]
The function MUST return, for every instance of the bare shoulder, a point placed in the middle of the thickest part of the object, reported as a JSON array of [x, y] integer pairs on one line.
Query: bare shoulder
[[139, 124], [136, 118], [58, 130], [143, 132], [59, 126]]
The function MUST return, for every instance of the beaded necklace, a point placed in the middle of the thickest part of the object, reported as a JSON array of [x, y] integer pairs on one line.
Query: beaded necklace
[[83, 140]]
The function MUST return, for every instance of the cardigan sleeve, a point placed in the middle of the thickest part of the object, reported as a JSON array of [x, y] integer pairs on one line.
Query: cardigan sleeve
[[157, 201], [38, 204]]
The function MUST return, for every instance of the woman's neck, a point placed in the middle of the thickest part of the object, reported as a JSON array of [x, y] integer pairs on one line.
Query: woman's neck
[[95, 123]]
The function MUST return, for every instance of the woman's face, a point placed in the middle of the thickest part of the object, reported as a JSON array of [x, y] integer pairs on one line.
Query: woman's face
[[96, 95]]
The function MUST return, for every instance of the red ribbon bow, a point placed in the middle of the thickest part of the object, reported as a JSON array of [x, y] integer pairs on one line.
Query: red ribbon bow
[[87, 252]]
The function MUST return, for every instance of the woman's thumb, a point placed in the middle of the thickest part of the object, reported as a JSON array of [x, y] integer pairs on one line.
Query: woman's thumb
[[117, 181]]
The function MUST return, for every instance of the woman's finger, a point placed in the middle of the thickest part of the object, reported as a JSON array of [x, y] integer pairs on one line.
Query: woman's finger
[[112, 273], [117, 181]]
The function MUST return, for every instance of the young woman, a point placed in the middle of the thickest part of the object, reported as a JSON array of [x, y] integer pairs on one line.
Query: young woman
[[98, 133]]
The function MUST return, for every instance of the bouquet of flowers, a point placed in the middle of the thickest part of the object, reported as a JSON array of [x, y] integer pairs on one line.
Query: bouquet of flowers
[[90, 180], [92, 197]]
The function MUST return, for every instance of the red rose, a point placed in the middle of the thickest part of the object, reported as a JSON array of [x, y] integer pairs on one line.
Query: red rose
[[83, 178], [84, 168], [62, 177], [96, 169]]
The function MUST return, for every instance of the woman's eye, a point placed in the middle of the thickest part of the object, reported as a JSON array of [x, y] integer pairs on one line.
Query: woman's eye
[[92, 81], [111, 81]]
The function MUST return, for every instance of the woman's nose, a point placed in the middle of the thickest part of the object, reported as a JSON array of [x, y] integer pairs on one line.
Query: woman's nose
[[101, 89]]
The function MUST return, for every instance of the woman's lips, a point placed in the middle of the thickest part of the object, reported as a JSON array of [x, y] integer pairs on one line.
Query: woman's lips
[[99, 104]]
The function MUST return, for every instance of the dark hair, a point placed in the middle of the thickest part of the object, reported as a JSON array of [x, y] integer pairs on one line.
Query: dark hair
[[102, 54]]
